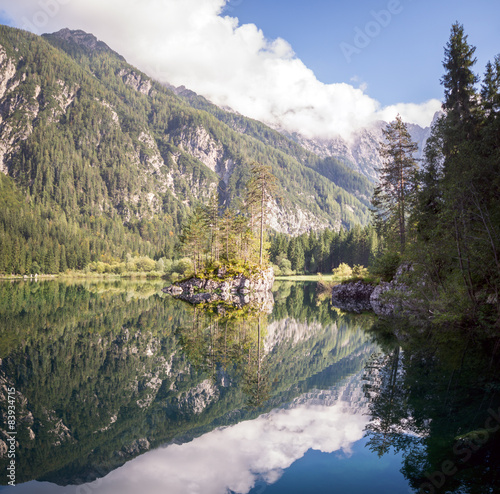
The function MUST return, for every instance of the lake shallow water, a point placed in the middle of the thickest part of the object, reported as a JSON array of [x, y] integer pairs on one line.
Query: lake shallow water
[[122, 389]]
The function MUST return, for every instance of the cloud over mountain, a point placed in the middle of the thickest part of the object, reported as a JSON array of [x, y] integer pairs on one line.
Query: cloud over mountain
[[195, 44]]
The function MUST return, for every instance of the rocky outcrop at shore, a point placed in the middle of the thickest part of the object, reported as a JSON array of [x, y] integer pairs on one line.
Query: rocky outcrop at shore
[[384, 299], [352, 297], [237, 290]]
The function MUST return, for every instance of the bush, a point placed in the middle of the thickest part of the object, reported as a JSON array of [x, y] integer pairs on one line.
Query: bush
[[119, 268], [359, 271], [145, 264], [286, 267], [153, 274], [167, 267], [99, 267], [183, 266], [160, 265], [343, 271]]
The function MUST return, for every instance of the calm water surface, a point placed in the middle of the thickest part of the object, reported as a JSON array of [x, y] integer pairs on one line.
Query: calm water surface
[[122, 389]]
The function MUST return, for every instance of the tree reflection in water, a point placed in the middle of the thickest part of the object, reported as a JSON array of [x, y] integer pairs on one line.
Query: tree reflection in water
[[434, 395], [225, 340]]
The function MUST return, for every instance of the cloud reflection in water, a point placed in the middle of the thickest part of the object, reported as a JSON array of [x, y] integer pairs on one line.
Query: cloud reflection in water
[[232, 458]]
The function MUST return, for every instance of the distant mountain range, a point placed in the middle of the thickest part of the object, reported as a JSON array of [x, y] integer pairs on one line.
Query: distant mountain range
[[359, 152]]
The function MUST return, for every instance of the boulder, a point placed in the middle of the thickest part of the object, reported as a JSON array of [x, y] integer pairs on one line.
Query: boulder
[[385, 299], [352, 297]]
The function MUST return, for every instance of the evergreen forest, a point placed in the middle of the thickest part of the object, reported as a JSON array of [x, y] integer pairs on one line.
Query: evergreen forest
[[443, 219]]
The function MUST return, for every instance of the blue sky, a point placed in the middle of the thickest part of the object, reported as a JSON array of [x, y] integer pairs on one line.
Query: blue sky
[[402, 61], [317, 67]]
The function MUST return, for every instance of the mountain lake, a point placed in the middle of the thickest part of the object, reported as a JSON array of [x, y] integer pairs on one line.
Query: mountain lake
[[115, 387]]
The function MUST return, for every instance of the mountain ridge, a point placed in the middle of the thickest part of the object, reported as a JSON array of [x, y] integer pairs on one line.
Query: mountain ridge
[[109, 161], [360, 151]]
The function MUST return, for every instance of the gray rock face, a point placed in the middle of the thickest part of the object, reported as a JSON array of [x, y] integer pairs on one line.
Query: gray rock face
[[385, 299], [379, 301], [82, 38], [361, 151], [392, 298]]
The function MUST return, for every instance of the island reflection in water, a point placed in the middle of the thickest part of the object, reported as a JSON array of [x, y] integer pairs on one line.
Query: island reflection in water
[[109, 371], [123, 389]]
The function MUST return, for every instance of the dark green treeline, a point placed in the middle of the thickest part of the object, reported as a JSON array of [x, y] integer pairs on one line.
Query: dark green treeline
[[320, 252]]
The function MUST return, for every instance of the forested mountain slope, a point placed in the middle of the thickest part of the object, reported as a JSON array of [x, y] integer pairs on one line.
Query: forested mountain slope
[[99, 160]]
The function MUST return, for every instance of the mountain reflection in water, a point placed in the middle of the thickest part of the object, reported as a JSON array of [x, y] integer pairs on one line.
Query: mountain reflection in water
[[106, 372], [120, 388], [235, 458]]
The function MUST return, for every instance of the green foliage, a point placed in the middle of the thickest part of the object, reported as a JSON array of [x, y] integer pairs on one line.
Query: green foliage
[[386, 265], [214, 237], [260, 190], [342, 271], [392, 197], [325, 250], [406, 385], [183, 267], [457, 214]]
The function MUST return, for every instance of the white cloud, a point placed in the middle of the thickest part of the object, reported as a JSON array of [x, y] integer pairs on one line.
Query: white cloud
[[410, 112], [192, 43]]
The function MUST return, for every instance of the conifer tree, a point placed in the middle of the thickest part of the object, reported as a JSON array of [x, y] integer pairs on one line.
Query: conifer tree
[[391, 198], [193, 237], [212, 218], [460, 96], [457, 211], [261, 189]]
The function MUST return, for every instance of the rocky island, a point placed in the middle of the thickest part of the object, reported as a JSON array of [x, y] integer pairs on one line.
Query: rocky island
[[236, 289], [386, 298]]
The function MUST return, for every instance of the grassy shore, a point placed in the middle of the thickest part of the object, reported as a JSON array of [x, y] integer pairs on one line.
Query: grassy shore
[[83, 275], [308, 277]]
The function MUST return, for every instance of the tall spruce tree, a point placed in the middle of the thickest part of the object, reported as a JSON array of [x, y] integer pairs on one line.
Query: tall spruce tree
[[391, 198], [460, 95], [460, 146]]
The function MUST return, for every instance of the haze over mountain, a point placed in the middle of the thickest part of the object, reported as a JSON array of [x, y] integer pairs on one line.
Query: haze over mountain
[[358, 151]]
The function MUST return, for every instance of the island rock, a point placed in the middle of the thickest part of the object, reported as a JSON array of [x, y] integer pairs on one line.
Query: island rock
[[237, 290], [385, 299]]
